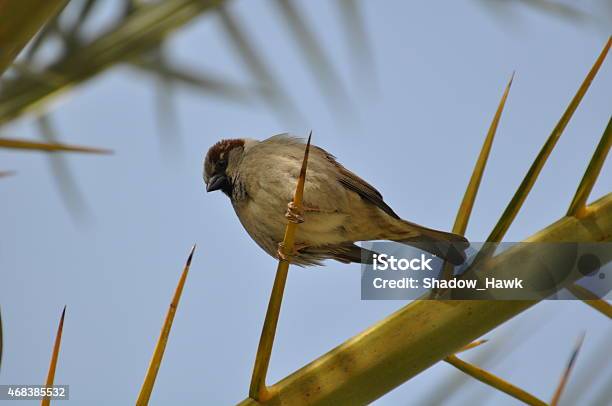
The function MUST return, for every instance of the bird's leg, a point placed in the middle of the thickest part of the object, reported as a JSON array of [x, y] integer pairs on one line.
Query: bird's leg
[[280, 252], [296, 215]]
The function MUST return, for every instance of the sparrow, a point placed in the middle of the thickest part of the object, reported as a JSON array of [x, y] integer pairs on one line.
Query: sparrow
[[339, 208]]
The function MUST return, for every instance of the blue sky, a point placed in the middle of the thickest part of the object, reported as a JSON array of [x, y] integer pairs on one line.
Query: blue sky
[[416, 126]]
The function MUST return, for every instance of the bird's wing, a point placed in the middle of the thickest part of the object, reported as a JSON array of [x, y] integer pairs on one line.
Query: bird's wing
[[288, 152], [354, 183]]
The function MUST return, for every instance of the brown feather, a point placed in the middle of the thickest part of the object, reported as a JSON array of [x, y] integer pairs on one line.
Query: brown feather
[[354, 183]]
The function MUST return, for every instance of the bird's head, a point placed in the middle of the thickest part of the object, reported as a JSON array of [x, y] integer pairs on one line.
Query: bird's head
[[221, 163]]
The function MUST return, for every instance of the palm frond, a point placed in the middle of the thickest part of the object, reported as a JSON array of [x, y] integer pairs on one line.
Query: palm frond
[[578, 205], [271, 91], [530, 178], [54, 357], [20, 21], [132, 36], [69, 190], [12, 143], [591, 299], [329, 81], [494, 381], [158, 354], [358, 42], [469, 197]]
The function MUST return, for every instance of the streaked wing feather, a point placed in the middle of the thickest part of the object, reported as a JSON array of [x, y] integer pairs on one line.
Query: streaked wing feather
[[354, 183]]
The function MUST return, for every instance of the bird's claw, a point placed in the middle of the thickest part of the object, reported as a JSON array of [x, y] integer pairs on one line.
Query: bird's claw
[[280, 252], [294, 214], [282, 255]]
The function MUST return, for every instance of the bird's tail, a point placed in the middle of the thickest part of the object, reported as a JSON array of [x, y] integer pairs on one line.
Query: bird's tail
[[447, 246]]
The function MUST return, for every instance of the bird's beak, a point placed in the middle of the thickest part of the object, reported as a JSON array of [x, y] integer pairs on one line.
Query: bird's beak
[[216, 182]]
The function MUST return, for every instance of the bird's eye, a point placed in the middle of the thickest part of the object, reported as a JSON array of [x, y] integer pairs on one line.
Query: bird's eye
[[222, 163]]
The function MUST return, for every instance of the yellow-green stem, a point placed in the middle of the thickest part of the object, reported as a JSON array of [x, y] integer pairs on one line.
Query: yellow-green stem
[[258, 389], [158, 354], [469, 197], [494, 381], [577, 207], [46, 401], [591, 299]]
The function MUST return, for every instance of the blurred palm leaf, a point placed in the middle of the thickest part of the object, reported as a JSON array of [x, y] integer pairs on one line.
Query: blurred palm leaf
[[329, 82], [271, 91], [358, 42], [166, 113], [556, 8], [12, 143], [207, 84], [19, 21], [137, 33], [551, 7], [81, 18], [69, 190]]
